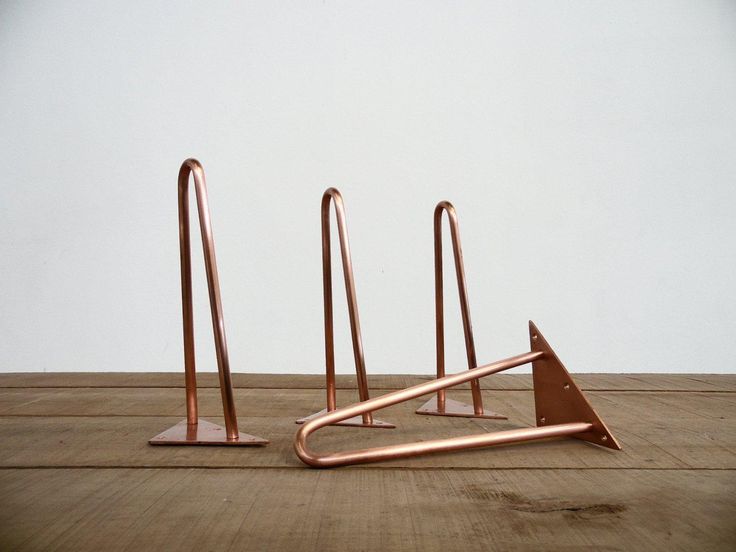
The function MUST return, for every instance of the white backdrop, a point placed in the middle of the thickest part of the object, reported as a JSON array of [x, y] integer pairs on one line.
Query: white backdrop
[[589, 147]]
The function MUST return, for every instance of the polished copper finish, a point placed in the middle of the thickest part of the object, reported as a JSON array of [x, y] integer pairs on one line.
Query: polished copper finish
[[366, 419], [195, 431], [439, 405], [561, 410]]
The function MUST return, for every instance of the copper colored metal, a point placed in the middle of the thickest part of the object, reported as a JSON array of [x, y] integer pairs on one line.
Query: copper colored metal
[[202, 433], [355, 421], [332, 195], [561, 410], [456, 409], [193, 430], [557, 399], [439, 405]]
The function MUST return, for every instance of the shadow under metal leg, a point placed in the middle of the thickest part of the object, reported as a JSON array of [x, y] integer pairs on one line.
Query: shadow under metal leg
[[193, 430]]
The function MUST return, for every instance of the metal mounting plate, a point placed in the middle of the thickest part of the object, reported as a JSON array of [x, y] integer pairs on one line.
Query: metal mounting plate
[[457, 409], [558, 399], [203, 433]]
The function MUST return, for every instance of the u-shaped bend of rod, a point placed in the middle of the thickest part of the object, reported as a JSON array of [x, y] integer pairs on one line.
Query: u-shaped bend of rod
[[376, 454], [194, 167]]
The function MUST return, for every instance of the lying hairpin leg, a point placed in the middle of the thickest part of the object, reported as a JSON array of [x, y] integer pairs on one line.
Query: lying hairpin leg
[[561, 410], [440, 405], [366, 419], [195, 431]]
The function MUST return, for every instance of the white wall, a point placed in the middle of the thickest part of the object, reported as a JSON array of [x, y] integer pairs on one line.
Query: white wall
[[589, 147]]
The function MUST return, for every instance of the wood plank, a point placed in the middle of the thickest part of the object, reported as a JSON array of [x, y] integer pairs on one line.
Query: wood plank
[[337, 510], [171, 402], [596, 382], [97, 490], [300, 402], [240, 380], [674, 430], [686, 430]]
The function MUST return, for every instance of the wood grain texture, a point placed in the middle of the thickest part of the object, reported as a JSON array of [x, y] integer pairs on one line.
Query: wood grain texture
[[76, 472], [367, 510], [599, 382]]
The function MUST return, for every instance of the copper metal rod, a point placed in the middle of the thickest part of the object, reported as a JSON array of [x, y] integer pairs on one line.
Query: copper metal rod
[[406, 450], [366, 419], [194, 431], [413, 449], [462, 289], [192, 166], [440, 405], [560, 409], [332, 195]]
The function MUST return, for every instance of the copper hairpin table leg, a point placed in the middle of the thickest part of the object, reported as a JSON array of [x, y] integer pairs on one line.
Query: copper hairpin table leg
[[366, 419], [440, 405], [193, 430], [561, 410]]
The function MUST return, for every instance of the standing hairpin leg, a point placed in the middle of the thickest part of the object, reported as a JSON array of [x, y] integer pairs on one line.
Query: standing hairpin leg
[[366, 419], [195, 431], [441, 405]]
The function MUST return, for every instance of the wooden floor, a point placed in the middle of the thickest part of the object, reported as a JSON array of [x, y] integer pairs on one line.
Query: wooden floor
[[76, 472]]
